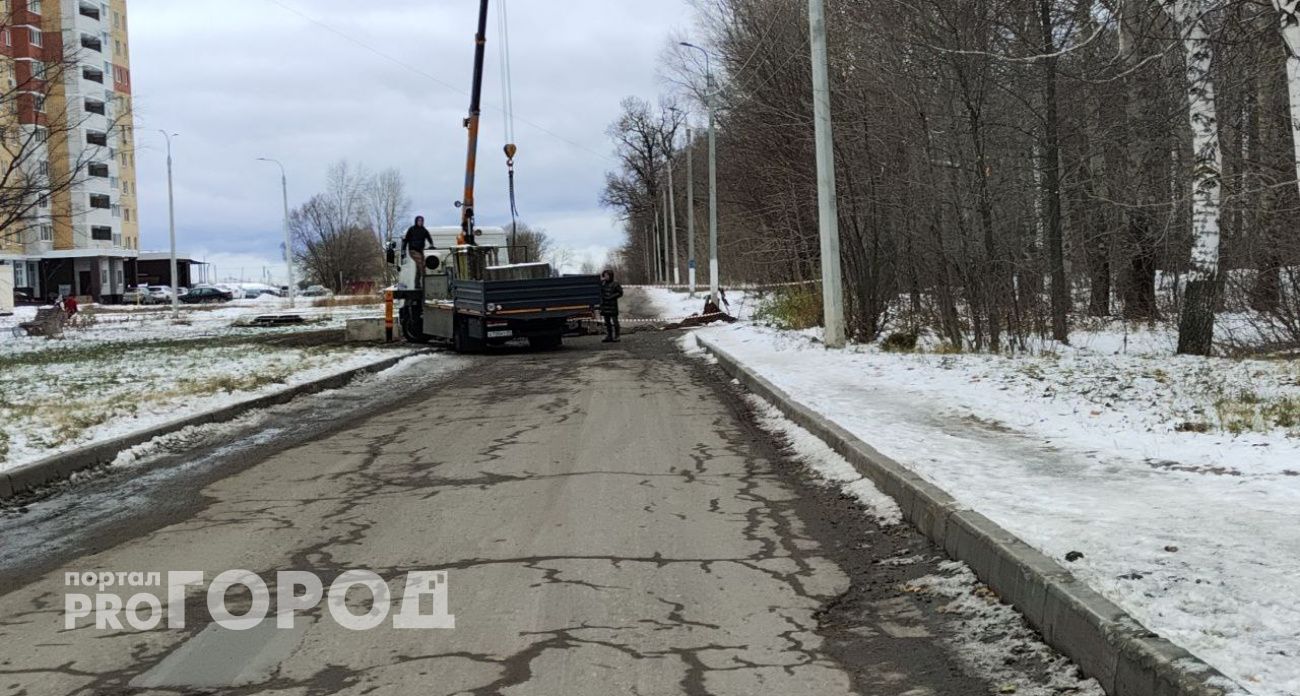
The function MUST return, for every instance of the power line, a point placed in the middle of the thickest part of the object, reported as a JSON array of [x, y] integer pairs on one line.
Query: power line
[[433, 78]]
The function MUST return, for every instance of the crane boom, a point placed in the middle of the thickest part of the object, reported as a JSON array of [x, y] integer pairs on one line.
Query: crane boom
[[472, 123]]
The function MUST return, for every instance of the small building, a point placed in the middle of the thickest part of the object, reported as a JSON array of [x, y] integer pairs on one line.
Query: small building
[[155, 268]]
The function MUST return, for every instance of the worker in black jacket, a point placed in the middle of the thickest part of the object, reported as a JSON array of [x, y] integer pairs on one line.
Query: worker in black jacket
[[417, 237], [610, 292]]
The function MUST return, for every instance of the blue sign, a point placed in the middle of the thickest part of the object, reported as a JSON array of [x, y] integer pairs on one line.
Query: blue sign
[[691, 264]]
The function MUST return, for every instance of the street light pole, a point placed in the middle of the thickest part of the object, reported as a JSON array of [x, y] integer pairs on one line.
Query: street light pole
[[672, 222], [828, 214], [690, 213], [288, 250], [171, 219], [711, 93]]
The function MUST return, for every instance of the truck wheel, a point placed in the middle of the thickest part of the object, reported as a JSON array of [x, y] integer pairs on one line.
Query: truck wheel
[[551, 342], [412, 325], [462, 343]]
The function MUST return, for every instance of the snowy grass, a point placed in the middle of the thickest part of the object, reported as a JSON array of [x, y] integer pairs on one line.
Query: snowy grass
[[53, 401], [1177, 478]]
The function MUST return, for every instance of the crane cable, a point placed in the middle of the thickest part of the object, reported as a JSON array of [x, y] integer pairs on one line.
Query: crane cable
[[508, 107]]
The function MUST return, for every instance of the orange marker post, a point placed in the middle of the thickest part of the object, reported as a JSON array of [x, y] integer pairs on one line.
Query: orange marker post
[[388, 316]]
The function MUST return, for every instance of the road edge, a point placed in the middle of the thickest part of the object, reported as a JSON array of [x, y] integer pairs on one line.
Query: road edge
[[58, 467], [1105, 642]]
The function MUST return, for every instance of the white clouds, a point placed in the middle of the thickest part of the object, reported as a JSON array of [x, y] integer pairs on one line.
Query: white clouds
[[241, 79]]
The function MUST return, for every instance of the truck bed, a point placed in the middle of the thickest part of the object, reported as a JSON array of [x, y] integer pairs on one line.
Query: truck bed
[[534, 299]]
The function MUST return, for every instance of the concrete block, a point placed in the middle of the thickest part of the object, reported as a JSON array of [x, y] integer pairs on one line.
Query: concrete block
[[367, 330]]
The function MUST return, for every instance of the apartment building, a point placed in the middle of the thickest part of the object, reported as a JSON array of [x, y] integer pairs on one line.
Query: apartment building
[[67, 66]]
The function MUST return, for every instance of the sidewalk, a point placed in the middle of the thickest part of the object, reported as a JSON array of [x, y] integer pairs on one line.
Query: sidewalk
[[1192, 533]]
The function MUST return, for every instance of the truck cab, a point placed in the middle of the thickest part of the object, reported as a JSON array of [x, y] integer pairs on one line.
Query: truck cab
[[473, 298]]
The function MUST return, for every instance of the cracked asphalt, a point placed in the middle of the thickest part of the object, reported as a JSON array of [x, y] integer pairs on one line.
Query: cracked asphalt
[[611, 520]]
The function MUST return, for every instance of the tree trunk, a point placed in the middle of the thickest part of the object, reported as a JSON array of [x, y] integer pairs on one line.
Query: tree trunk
[[1196, 327], [1290, 11], [1052, 181]]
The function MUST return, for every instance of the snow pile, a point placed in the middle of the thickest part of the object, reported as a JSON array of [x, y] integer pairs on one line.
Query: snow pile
[[676, 305], [1176, 478], [987, 646], [825, 462]]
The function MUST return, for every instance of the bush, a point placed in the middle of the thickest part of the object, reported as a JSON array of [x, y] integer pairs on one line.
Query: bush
[[900, 342], [791, 309]]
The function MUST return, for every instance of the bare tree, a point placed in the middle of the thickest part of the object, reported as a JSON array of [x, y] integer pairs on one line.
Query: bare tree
[[387, 204]]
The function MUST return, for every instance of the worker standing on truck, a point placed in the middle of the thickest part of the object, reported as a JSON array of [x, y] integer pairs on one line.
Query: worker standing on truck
[[610, 292], [413, 243]]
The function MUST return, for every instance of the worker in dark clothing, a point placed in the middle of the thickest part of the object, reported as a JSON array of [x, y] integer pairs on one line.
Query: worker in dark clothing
[[610, 292], [414, 242]]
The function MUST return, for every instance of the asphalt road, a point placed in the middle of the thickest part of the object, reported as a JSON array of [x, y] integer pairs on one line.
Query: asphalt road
[[609, 518]]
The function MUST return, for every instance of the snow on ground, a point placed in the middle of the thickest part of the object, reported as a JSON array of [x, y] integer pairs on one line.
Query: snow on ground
[[1178, 478], [678, 304], [114, 324], [986, 644], [134, 369]]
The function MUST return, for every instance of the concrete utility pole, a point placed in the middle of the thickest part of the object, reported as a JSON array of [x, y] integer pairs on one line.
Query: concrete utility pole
[[664, 231], [658, 263], [690, 215], [288, 248], [672, 224], [713, 174], [171, 219], [828, 215]]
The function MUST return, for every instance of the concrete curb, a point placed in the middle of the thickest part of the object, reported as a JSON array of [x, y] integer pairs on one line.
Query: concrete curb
[[61, 466], [1106, 643]]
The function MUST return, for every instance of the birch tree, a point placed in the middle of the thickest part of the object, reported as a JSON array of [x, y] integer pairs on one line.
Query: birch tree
[[1196, 325], [1290, 19]]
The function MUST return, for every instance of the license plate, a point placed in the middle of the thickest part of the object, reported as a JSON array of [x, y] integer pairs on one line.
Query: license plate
[[500, 334]]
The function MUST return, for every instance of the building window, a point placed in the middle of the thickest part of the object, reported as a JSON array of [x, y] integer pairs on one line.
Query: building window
[[101, 201], [34, 6], [40, 104], [101, 234], [95, 107], [95, 138], [36, 37], [43, 201], [43, 168], [98, 169], [47, 233], [126, 214]]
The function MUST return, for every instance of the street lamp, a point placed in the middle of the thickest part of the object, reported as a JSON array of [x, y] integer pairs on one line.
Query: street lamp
[[288, 250], [171, 220], [709, 95]]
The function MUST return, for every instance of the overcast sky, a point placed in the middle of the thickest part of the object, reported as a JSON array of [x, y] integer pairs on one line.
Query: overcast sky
[[242, 79]]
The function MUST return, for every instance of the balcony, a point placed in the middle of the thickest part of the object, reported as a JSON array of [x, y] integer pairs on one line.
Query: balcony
[[95, 107], [92, 74], [98, 170], [97, 138], [101, 234], [90, 11], [101, 201], [92, 43]]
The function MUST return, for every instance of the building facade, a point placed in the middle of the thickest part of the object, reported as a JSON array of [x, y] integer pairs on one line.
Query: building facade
[[67, 66]]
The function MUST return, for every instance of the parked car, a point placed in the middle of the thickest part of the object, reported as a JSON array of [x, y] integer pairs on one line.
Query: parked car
[[139, 296], [205, 295], [317, 291], [160, 293]]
